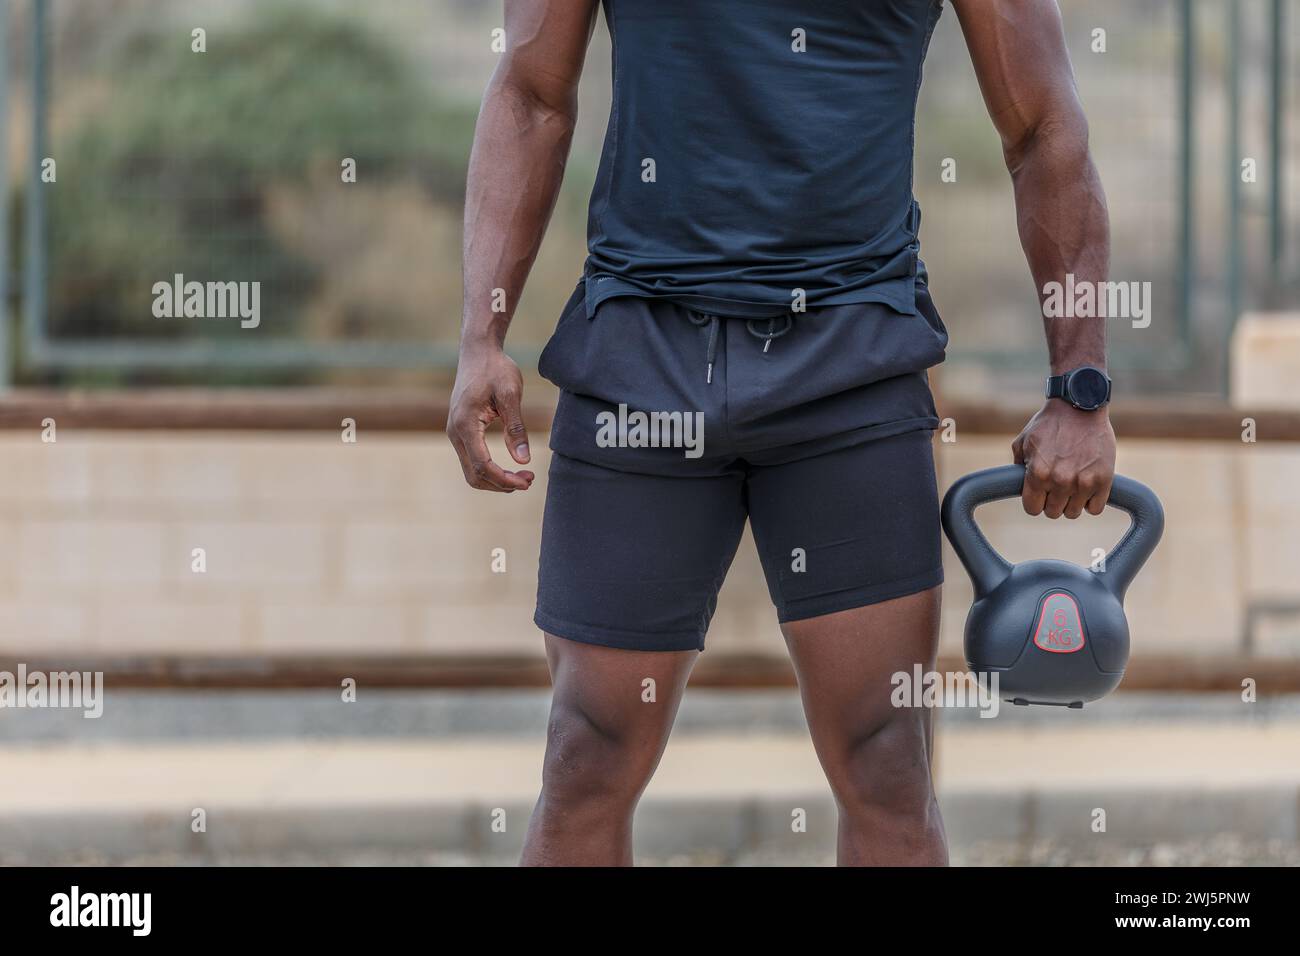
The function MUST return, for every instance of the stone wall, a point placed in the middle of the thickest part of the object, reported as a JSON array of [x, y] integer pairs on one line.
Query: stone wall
[[316, 546]]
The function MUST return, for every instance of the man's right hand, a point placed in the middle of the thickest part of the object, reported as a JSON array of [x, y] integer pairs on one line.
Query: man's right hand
[[488, 386]]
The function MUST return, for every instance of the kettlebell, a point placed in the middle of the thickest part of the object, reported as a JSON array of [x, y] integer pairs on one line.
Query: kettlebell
[[1053, 632]]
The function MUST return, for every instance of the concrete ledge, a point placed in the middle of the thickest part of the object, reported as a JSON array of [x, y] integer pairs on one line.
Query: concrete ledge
[[729, 796], [1265, 352], [720, 668]]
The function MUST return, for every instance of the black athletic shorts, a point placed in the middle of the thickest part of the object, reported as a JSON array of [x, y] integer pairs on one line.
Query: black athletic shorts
[[675, 427]]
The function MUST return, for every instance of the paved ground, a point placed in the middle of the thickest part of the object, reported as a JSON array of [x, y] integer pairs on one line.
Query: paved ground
[[157, 777]]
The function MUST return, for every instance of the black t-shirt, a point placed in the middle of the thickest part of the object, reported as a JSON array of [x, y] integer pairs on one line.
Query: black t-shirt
[[759, 148]]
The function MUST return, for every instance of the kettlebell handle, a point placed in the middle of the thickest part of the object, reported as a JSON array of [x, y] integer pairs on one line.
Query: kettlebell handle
[[987, 568]]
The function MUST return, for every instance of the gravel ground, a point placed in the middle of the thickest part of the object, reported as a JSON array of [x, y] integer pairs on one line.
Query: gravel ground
[[1217, 851]]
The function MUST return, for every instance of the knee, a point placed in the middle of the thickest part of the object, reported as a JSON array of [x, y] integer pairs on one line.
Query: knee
[[587, 760], [884, 768]]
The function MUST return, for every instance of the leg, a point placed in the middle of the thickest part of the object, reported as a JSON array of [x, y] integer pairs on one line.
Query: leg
[[628, 579], [604, 740], [876, 756], [850, 546]]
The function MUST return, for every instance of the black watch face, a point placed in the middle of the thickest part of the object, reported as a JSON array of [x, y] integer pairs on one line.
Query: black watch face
[[1087, 388]]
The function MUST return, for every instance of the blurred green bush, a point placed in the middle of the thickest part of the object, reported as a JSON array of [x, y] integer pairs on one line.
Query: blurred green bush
[[173, 168]]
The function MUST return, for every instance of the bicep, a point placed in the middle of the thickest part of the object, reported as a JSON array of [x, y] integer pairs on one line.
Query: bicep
[[1022, 64], [546, 45]]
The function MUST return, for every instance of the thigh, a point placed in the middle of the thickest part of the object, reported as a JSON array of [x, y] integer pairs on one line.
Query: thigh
[[635, 561], [848, 528], [846, 663], [612, 708]]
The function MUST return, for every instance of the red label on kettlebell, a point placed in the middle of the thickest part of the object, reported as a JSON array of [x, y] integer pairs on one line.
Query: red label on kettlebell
[[1060, 628]]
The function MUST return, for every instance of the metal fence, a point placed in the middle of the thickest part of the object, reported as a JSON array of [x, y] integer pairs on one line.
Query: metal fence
[[37, 347]]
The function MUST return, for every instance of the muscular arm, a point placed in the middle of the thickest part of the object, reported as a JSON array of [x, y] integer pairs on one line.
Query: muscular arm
[[521, 144], [1018, 49]]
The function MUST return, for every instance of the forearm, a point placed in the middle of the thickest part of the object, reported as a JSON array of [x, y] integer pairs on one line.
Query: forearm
[[516, 167], [1018, 49], [1065, 231]]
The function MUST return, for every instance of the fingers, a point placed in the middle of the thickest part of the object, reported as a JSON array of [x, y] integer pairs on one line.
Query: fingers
[[1098, 487], [1034, 494], [486, 475], [1060, 489], [1049, 492], [1090, 491], [1075, 504], [1057, 492], [480, 470], [509, 407]]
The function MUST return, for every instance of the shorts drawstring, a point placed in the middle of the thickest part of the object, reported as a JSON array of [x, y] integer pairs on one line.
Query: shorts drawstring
[[772, 332], [713, 322]]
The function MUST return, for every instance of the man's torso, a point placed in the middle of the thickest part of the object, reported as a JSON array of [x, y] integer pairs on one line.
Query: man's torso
[[759, 154]]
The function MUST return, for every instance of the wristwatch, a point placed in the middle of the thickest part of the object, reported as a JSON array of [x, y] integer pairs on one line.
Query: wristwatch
[[1086, 388]]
